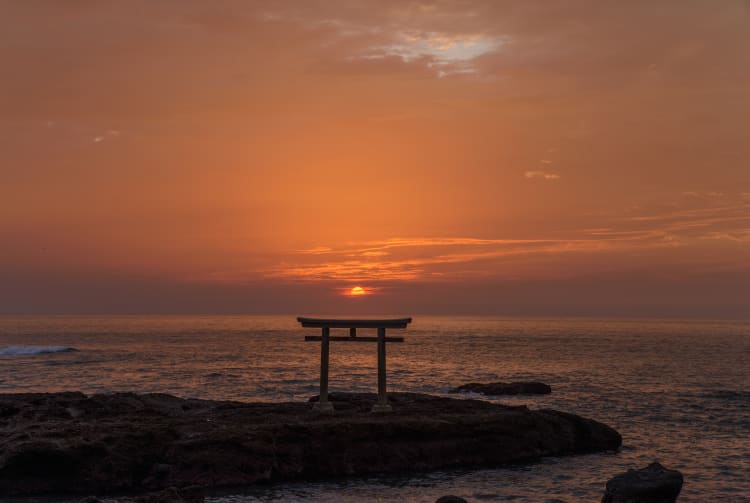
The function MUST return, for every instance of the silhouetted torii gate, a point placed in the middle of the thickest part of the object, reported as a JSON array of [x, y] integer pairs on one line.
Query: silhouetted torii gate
[[323, 405]]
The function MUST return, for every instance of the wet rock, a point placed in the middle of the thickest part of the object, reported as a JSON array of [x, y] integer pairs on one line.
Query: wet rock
[[169, 495], [450, 499], [653, 484], [505, 388], [137, 443], [172, 495]]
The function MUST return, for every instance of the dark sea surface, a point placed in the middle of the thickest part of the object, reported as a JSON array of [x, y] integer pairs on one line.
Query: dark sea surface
[[679, 392]]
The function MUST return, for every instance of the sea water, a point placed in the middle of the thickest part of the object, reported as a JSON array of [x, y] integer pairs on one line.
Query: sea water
[[677, 391]]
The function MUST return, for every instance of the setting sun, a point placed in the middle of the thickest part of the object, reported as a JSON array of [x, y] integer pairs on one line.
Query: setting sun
[[357, 291]]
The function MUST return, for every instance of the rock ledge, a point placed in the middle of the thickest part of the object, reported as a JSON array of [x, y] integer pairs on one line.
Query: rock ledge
[[71, 443]]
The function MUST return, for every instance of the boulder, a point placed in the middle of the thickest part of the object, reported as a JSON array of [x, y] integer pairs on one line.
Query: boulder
[[653, 484], [505, 388]]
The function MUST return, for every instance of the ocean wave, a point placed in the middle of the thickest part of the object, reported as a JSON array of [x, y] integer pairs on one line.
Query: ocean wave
[[34, 350]]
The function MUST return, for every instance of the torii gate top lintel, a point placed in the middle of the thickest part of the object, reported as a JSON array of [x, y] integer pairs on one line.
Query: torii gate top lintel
[[339, 323]]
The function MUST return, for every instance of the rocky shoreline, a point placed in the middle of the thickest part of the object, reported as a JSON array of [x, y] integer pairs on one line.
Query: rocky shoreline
[[653, 484], [125, 442]]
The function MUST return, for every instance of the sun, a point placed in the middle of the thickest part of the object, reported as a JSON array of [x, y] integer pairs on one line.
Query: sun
[[357, 291]]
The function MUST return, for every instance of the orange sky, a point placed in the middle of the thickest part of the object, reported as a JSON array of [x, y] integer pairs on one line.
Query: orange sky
[[547, 158]]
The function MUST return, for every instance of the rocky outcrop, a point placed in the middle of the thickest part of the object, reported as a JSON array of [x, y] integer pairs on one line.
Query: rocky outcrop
[[653, 484], [68, 442], [505, 388], [450, 499]]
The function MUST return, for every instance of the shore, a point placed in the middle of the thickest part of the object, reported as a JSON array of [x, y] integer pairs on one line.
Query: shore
[[71, 443]]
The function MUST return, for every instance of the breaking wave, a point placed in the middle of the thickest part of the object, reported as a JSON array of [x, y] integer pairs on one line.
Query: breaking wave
[[34, 350]]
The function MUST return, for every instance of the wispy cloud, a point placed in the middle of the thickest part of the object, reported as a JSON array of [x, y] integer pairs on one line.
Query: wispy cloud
[[443, 47], [370, 253], [704, 195], [318, 250], [437, 258], [543, 175], [675, 224], [112, 133], [442, 50], [443, 54], [740, 236]]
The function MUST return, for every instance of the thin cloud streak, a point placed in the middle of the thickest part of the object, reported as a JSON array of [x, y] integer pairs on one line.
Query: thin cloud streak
[[544, 175], [426, 258], [421, 268]]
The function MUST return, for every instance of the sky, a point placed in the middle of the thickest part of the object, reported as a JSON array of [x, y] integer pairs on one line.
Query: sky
[[535, 158]]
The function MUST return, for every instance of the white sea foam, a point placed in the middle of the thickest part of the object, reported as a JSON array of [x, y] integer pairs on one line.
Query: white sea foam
[[33, 350]]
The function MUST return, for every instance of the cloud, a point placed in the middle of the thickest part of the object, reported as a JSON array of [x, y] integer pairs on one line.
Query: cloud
[[318, 250], [677, 225], [455, 257], [703, 194], [740, 236], [544, 175], [704, 215], [112, 133], [371, 253], [444, 48], [446, 54]]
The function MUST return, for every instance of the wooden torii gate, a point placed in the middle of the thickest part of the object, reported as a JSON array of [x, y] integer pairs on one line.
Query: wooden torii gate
[[323, 405]]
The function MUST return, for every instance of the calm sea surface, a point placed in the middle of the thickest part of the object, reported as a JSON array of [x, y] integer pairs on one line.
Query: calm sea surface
[[679, 392]]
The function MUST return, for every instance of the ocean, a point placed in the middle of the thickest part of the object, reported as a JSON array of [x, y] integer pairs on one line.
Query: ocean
[[677, 391]]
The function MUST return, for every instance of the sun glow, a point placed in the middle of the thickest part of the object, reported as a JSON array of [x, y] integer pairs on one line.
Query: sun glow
[[357, 291]]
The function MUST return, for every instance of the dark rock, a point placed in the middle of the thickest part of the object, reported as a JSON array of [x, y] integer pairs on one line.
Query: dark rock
[[653, 484], [505, 388], [450, 499], [172, 495], [168, 495], [136, 443]]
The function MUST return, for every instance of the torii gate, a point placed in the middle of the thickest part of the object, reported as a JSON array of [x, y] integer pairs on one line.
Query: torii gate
[[323, 405]]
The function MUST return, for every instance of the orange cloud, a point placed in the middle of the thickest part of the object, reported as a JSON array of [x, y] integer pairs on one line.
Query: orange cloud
[[544, 175], [425, 258]]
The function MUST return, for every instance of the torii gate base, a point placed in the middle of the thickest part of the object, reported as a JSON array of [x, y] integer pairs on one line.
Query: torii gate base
[[323, 405]]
